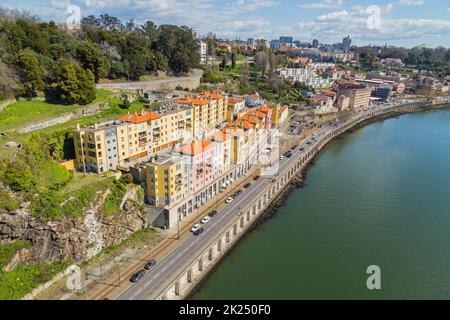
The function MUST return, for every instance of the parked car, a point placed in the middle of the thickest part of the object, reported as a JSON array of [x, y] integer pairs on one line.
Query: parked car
[[212, 213], [198, 231], [195, 227], [229, 200], [281, 157], [247, 185], [150, 265], [293, 148], [256, 178], [137, 276], [205, 219]]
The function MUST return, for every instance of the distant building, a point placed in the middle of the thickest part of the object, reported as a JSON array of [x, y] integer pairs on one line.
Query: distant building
[[383, 92], [359, 94], [343, 103], [133, 25], [203, 52], [346, 44], [315, 43], [322, 104], [306, 76], [286, 40], [274, 44]]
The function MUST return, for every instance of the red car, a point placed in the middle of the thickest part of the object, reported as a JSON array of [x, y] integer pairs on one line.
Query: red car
[[256, 178]]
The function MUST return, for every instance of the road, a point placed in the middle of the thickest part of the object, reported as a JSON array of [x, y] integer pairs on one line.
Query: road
[[169, 268]]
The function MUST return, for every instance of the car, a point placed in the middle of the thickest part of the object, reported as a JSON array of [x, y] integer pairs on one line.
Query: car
[[198, 231], [293, 148], [229, 200], [150, 265], [205, 219], [256, 178], [195, 227], [212, 213], [137, 276], [281, 157], [247, 185], [238, 192]]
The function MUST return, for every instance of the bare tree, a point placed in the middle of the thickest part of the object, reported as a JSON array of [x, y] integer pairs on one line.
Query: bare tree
[[244, 74], [262, 62]]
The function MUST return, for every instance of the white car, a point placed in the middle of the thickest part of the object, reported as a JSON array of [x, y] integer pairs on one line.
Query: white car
[[195, 227], [205, 219], [229, 200], [281, 157]]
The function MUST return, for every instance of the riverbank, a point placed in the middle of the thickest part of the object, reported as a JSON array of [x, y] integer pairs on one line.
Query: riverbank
[[298, 180]]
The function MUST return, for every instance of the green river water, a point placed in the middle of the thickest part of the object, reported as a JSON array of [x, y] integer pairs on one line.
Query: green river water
[[379, 196]]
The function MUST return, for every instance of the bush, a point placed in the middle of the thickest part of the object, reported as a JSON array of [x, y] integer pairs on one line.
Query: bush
[[19, 177], [7, 202]]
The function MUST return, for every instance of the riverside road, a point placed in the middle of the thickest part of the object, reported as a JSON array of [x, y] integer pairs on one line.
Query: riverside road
[[167, 270]]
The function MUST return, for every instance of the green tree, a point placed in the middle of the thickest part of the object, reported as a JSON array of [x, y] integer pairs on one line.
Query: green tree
[[223, 64], [32, 73], [233, 60], [74, 84], [18, 176], [92, 58]]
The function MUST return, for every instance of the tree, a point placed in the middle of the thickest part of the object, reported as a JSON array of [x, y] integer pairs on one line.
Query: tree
[[91, 57], [244, 74], [262, 62], [151, 31], [18, 176], [179, 46], [32, 73], [74, 84], [223, 64], [233, 60]]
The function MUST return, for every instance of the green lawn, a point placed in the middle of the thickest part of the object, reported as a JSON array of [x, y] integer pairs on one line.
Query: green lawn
[[23, 113]]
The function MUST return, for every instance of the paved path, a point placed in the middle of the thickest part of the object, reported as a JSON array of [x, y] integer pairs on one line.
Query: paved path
[[170, 83]]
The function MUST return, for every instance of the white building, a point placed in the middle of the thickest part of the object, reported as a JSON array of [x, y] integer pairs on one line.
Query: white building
[[306, 76], [203, 52]]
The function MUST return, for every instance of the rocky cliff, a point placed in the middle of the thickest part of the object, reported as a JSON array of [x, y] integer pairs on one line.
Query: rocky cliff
[[77, 239]]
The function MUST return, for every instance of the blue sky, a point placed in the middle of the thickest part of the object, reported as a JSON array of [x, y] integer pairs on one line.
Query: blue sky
[[396, 22]]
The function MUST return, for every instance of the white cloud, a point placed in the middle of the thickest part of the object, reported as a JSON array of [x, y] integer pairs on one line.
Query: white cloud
[[324, 4], [332, 26], [412, 2]]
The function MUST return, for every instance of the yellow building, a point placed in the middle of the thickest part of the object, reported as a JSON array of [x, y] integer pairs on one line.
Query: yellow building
[[167, 182], [103, 147]]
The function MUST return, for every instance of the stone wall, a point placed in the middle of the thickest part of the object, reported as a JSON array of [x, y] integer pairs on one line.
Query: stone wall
[[77, 239]]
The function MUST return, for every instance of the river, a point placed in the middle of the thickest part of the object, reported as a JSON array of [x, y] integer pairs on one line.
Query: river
[[379, 196]]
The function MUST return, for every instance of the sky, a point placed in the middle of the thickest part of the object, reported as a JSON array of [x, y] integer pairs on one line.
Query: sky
[[405, 23]]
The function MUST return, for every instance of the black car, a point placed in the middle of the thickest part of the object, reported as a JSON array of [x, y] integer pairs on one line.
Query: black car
[[288, 154], [150, 265], [198, 231], [247, 185], [293, 148], [137, 276], [212, 213]]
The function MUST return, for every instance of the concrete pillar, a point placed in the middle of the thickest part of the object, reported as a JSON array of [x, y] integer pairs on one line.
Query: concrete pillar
[[227, 236], [219, 245], [177, 288], [248, 215], [242, 222], [189, 275], [200, 264], [210, 254]]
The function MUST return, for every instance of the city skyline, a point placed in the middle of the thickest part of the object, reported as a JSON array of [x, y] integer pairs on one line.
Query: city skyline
[[401, 22]]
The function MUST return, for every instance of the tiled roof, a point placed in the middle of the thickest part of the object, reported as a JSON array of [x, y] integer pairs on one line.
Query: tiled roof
[[139, 117], [196, 147]]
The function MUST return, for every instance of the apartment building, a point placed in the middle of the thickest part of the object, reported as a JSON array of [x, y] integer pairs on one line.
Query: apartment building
[[359, 94], [167, 181], [103, 147]]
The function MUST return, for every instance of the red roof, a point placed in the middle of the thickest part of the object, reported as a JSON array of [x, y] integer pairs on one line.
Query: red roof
[[196, 147], [139, 117]]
